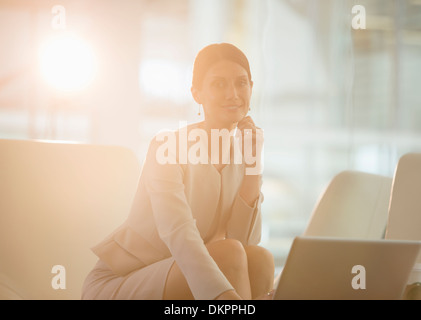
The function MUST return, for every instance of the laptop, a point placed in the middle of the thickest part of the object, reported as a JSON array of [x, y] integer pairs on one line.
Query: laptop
[[321, 268]]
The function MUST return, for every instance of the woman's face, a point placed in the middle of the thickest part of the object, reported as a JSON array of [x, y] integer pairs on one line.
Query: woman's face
[[225, 93]]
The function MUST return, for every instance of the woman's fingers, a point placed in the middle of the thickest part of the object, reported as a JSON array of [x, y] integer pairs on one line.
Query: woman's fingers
[[246, 123], [251, 145], [266, 296]]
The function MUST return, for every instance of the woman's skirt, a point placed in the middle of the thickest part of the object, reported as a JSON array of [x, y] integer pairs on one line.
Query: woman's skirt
[[147, 283]]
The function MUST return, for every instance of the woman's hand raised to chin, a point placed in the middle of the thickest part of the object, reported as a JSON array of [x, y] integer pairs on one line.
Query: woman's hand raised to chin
[[252, 145]]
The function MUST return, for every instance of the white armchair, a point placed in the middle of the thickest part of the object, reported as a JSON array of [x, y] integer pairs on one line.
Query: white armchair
[[405, 207], [354, 205], [405, 212], [56, 201]]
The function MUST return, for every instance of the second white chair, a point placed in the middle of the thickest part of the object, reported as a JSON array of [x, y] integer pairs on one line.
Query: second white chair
[[405, 206], [354, 205]]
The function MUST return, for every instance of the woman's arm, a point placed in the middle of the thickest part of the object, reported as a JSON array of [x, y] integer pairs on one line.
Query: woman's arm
[[177, 227], [250, 189], [245, 221]]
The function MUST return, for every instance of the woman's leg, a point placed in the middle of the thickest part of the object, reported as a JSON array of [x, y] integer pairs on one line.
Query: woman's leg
[[261, 270], [176, 287], [231, 258]]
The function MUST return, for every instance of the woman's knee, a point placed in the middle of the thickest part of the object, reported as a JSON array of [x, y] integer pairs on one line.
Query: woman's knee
[[260, 258], [259, 253], [228, 252]]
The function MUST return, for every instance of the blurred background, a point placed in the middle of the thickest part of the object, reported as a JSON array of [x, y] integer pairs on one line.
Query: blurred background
[[115, 72]]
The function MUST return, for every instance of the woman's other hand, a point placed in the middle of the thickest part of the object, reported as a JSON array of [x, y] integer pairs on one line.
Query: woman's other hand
[[266, 296], [229, 295]]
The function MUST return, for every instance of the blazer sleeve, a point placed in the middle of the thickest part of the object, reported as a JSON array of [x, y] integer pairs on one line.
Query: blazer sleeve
[[177, 227], [245, 223]]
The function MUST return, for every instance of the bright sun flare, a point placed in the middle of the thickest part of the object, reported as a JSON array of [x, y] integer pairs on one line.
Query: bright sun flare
[[67, 63]]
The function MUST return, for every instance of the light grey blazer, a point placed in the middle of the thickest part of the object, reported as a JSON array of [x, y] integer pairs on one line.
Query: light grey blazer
[[176, 210]]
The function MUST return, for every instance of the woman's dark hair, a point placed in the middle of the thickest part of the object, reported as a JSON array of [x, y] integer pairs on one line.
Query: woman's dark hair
[[214, 53]]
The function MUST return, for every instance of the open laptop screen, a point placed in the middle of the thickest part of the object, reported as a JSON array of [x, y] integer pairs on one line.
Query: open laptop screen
[[337, 268]]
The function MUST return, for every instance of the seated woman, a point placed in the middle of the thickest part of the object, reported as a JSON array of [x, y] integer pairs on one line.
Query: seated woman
[[195, 223]]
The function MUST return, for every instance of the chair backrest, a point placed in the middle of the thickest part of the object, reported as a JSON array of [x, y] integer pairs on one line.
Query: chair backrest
[[56, 201], [405, 206], [354, 205]]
